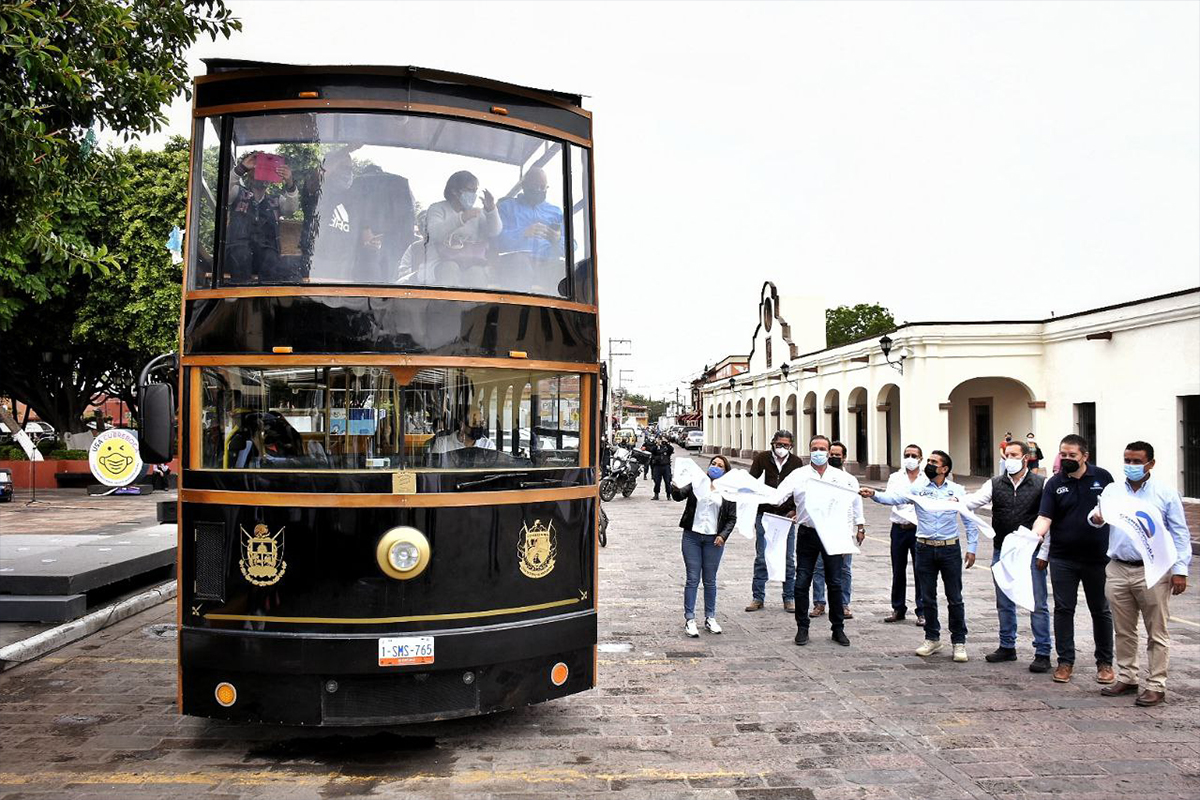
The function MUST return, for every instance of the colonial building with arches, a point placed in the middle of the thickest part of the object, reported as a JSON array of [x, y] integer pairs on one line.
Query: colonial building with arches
[[1114, 374]]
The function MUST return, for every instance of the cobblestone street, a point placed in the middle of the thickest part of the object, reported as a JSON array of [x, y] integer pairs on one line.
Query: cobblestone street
[[743, 715]]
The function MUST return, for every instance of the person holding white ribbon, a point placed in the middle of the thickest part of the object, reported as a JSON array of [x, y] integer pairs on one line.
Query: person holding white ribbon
[[1015, 498], [707, 523], [938, 550], [1127, 573], [809, 544]]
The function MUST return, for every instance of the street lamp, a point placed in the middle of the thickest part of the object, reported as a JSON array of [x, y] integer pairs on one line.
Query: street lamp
[[732, 384], [885, 344]]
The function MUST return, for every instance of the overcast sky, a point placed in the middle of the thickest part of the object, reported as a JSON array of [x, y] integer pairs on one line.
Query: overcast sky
[[948, 160]]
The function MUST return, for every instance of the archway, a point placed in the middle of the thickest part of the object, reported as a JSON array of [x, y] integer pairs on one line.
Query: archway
[[727, 427], [832, 421], [982, 410], [810, 421], [856, 436], [737, 423], [886, 433], [760, 427]]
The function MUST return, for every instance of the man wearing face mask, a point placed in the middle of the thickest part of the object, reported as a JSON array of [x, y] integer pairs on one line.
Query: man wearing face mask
[[470, 433], [1015, 498], [1126, 587], [837, 457], [809, 546], [939, 552], [773, 466], [1076, 552], [904, 536], [252, 233], [532, 230]]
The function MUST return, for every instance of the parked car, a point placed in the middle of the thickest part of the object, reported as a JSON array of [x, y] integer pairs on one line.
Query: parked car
[[6, 486], [695, 439]]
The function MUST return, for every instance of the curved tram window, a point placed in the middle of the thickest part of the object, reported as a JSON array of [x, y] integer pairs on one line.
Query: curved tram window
[[391, 199], [364, 418]]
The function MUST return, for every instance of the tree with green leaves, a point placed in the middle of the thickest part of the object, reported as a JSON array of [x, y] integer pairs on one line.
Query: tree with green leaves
[[64, 354], [71, 67], [849, 323]]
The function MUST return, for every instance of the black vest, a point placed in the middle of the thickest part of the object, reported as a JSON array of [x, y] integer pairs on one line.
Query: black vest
[[1011, 510]]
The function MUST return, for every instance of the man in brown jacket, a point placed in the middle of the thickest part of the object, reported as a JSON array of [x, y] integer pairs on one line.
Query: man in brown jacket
[[775, 465]]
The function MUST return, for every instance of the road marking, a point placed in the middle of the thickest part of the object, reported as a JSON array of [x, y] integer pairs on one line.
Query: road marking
[[105, 660], [273, 777], [1185, 621]]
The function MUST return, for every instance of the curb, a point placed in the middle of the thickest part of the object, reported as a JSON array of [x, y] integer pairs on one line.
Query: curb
[[48, 641]]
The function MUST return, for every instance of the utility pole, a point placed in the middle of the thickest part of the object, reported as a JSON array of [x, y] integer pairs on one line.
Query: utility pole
[[612, 354]]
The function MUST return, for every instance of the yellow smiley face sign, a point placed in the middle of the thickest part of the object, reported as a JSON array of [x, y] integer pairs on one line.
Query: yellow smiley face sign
[[114, 457]]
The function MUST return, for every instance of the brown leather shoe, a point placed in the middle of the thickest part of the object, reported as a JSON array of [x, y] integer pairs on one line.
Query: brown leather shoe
[[757, 605], [789, 606], [895, 616], [1105, 674], [817, 610], [1063, 673], [847, 613], [1117, 689], [1148, 698]]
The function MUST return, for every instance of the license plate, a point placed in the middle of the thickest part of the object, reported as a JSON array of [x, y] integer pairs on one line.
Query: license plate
[[403, 651]]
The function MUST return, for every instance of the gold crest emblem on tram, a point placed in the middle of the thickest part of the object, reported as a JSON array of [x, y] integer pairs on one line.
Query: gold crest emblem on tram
[[536, 548], [262, 556]]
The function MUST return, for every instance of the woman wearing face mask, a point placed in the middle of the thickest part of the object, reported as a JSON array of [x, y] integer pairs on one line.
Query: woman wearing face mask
[[458, 232], [707, 522], [1035, 461]]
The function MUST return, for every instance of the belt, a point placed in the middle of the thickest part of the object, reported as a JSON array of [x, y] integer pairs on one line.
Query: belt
[[1130, 563], [905, 526], [937, 542]]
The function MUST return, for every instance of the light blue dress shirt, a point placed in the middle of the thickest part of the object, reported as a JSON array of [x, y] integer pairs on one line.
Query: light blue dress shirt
[[1167, 501], [934, 524]]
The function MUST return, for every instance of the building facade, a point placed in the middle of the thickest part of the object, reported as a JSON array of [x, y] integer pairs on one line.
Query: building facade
[[1115, 374]]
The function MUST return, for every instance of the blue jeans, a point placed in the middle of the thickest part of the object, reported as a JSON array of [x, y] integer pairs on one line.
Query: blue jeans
[[1039, 618], [946, 562], [819, 590], [759, 586], [701, 557]]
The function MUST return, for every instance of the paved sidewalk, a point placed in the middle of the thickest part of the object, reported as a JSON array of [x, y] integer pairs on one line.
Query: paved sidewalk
[[744, 715]]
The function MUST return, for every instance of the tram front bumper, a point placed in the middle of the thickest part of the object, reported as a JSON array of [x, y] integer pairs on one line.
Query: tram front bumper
[[309, 679]]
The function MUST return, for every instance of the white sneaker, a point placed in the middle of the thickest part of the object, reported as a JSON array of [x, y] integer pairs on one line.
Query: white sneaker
[[929, 648], [710, 625], [960, 653], [690, 628]]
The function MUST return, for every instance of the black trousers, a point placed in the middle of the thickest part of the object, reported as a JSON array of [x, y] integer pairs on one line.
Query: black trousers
[[808, 550], [1065, 577], [904, 550], [662, 475]]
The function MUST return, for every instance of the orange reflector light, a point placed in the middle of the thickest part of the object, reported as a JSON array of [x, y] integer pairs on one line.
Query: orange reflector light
[[309, 94], [558, 675], [281, 349], [226, 694], [517, 354], [501, 110]]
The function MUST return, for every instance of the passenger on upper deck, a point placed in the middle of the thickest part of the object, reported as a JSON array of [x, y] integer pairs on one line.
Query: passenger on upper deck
[[458, 233], [530, 247], [468, 432], [336, 239], [252, 235]]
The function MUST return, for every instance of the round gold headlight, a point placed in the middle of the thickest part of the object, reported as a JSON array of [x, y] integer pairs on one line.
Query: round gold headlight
[[402, 553]]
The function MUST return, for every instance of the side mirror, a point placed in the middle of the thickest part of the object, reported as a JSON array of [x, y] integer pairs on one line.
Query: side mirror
[[156, 407]]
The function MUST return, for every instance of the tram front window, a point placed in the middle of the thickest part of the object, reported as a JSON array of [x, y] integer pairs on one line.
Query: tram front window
[[389, 418], [396, 199]]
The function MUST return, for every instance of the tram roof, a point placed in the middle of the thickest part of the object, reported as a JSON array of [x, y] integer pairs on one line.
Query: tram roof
[[224, 65], [414, 131]]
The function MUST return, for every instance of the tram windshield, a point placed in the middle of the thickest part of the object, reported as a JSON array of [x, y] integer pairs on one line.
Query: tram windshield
[[389, 199], [317, 418]]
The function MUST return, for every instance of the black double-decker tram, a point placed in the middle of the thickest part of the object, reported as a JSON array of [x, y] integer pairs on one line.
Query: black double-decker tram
[[387, 397]]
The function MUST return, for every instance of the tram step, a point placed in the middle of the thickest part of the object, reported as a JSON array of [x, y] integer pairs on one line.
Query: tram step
[[360, 699]]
